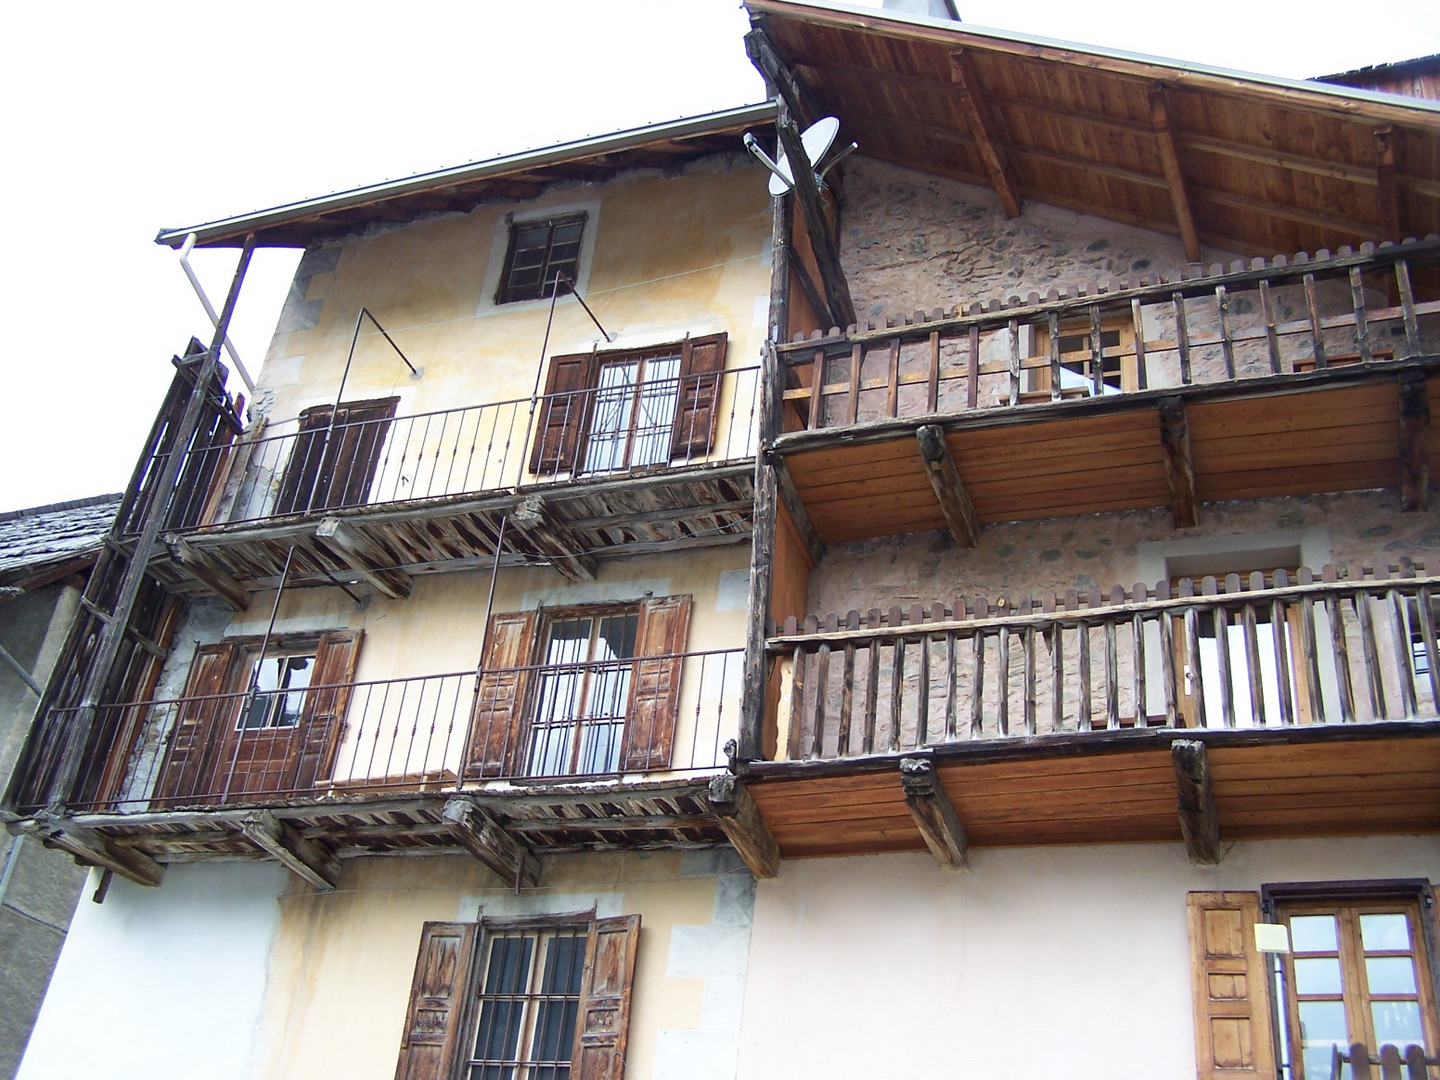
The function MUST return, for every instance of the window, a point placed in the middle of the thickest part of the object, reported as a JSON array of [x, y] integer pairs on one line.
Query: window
[[539, 253], [610, 411], [582, 695], [521, 999], [1118, 369], [334, 464], [280, 683]]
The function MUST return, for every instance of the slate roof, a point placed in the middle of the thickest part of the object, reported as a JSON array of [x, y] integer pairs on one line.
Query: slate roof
[[37, 542]]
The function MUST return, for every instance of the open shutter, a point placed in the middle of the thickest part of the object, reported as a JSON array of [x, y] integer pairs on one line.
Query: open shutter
[[562, 413], [200, 723], [322, 717], [600, 1034], [1233, 1033], [437, 1000], [696, 412], [303, 470], [353, 456], [655, 690], [500, 700]]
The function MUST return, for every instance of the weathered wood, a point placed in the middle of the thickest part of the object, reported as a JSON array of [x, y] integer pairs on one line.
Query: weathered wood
[[949, 489], [812, 213], [795, 506], [1407, 306], [482, 836], [1179, 467], [1137, 322], [1227, 340], [1182, 337], [781, 263], [1374, 678], [1272, 338], [978, 121], [1317, 335], [734, 808], [1014, 336], [553, 540], [1174, 178], [91, 848], [762, 546], [1414, 442], [1199, 818], [1387, 198], [304, 858], [1357, 302], [760, 48], [365, 557], [813, 296], [204, 568], [1097, 353], [929, 804]]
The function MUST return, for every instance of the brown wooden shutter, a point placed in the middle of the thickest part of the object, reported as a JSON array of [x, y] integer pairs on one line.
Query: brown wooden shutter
[[563, 412], [331, 467], [437, 1001], [604, 1015], [655, 689], [302, 472], [322, 717], [200, 725], [696, 412], [1233, 1033], [501, 700]]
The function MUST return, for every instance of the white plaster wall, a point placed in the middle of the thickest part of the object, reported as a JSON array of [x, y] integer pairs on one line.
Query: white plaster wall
[[163, 982], [1044, 962]]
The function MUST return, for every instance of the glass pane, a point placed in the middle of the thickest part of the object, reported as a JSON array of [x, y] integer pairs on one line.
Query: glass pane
[[1313, 933], [1397, 1022], [498, 1033], [1318, 976], [1384, 932], [1390, 974], [617, 637], [1322, 1028], [657, 412], [1318, 1060]]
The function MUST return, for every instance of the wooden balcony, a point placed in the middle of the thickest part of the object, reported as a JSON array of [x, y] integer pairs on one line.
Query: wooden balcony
[[1270, 706], [1287, 377]]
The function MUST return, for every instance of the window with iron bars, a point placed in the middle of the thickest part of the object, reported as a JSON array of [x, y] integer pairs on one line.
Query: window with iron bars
[[539, 253]]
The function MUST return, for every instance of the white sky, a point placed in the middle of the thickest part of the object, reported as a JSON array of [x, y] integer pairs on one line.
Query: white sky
[[122, 118]]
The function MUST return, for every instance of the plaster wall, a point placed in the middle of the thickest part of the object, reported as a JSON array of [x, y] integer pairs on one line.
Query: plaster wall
[[864, 967]]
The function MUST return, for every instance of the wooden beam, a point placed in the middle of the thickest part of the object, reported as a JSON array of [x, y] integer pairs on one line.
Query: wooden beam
[[1199, 820], [778, 323], [365, 557], [812, 294], [95, 849], [790, 496], [304, 858], [1387, 200], [934, 813], [1179, 467], [1170, 160], [983, 131], [552, 540], [479, 833], [1414, 442], [763, 54], [817, 226], [949, 488], [738, 815], [204, 568]]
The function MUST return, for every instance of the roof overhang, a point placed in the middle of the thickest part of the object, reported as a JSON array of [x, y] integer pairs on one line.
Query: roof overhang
[[458, 189]]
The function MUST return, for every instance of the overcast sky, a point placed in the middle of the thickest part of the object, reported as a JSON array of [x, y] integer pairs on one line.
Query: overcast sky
[[121, 119]]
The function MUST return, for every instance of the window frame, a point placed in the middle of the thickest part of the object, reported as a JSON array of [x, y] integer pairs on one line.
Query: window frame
[[505, 293]]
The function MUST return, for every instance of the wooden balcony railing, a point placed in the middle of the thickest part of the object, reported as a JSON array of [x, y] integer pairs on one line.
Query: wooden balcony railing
[[1354, 1063], [1265, 652], [655, 714], [1286, 316]]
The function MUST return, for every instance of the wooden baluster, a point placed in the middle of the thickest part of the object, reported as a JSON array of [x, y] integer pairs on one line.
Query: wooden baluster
[[797, 705], [1407, 306], [1362, 330], [1248, 622], [1082, 661], [817, 391], [1138, 595], [922, 700], [1360, 1062], [972, 378], [1057, 676], [1182, 337], [932, 397], [897, 687], [1030, 679], [1097, 353], [1227, 342], [822, 687], [1112, 663], [1374, 679], [1014, 361], [1390, 1064], [1415, 1065], [1136, 319], [847, 686], [1309, 656], [1432, 653], [892, 400], [1317, 337], [952, 688], [1221, 616], [1002, 709], [872, 689], [857, 367], [1280, 633], [1192, 656], [1169, 669], [977, 688], [1272, 339], [1055, 378], [1334, 612]]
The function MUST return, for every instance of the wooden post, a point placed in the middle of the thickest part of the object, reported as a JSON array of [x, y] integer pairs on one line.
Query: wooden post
[[365, 557], [934, 813], [1179, 468], [479, 834], [949, 489], [739, 817], [812, 212], [762, 546], [1414, 442], [1199, 819], [305, 858], [780, 221]]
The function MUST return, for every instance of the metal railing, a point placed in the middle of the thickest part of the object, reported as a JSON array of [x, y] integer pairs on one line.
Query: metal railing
[[1285, 316], [1267, 651], [669, 713], [286, 467]]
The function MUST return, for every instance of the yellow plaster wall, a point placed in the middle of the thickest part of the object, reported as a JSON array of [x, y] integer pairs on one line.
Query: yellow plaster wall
[[341, 964]]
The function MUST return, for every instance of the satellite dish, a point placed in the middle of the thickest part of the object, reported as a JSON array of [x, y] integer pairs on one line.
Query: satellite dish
[[816, 139]]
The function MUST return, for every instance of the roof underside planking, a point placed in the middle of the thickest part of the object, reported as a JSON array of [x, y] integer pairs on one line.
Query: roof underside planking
[[1257, 165]]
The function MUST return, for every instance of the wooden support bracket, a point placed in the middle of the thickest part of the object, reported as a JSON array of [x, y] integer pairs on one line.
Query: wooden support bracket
[[1170, 161], [365, 557], [817, 227], [949, 488], [760, 48], [552, 540], [790, 496], [934, 813], [983, 131], [1179, 468], [304, 858], [1387, 198], [205, 569], [95, 849], [481, 835], [1414, 442], [1199, 820], [738, 815]]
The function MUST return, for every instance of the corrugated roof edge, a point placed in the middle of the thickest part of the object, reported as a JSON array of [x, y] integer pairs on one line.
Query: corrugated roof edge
[[477, 170], [1431, 60], [55, 508]]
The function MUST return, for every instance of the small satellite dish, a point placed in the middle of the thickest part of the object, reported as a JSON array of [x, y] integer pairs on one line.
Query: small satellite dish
[[816, 139]]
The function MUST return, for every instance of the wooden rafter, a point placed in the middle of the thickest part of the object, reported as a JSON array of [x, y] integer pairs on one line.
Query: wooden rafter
[[1170, 160], [479, 834], [305, 858], [204, 568], [795, 505], [1414, 441], [760, 48], [365, 557], [934, 813], [734, 808], [984, 132], [95, 849], [949, 488], [1179, 467], [1199, 819], [553, 540], [1387, 199]]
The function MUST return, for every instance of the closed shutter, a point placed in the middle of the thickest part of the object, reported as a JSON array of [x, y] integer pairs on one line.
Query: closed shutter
[[1233, 1031], [701, 362], [437, 1001], [563, 412], [655, 690], [322, 717], [501, 698], [335, 466], [200, 724], [604, 1015]]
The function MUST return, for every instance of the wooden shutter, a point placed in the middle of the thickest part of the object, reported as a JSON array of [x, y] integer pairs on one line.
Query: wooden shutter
[[1233, 1032], [604, 1014], [501, 699], [655, 690], [563, 413], [437, 1001], [696, 412], [200, 725], [303, 470], [322, 717], [335, 466]]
